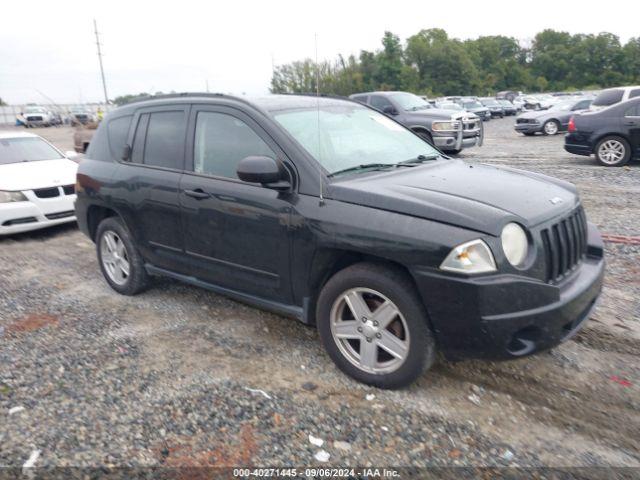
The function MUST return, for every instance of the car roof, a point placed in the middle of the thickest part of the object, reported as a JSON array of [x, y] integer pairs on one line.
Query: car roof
[[10, 134], [267, 103], [385, 93]]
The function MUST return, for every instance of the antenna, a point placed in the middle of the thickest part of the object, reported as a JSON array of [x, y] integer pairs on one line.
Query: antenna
[[104, 83], [318, 110]]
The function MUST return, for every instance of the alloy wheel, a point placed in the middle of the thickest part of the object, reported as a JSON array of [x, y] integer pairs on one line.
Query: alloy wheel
[[115, 259], [551, 128], [369, 330], [611, 152]]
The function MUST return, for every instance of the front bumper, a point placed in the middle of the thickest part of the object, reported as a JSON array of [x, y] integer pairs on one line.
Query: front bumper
[[452, 141], [35, 213], [528, 127], [508, 316]]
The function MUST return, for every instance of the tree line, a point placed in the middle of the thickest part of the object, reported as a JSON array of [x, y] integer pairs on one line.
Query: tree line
[[434, 64]]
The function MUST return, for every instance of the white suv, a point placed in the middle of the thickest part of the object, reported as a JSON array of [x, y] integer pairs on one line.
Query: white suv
[[611, 96]]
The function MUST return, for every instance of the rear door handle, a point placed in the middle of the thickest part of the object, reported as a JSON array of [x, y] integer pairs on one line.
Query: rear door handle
[[630, 123], [198, 194]]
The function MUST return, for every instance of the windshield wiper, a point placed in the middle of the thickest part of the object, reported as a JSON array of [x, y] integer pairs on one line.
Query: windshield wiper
[[419, 159], [364, 166]]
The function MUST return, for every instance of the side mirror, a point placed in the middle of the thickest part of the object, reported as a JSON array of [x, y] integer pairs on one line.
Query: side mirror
[[389, 110], [264, 170]]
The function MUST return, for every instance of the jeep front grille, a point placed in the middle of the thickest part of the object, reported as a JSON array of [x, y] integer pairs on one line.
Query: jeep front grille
[[565, 245]]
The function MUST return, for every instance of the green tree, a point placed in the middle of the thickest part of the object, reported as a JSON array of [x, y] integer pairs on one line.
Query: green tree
[[443, 64]]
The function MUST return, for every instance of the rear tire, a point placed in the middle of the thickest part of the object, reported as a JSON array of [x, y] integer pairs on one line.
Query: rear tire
[[119, 259], [358, 332], [613, 151]]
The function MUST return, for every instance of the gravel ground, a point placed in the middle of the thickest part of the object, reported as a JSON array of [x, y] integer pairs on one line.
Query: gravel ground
[[179, 376]]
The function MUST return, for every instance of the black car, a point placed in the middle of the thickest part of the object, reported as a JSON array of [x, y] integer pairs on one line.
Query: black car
[[330, 212], [494, 107], [449, 130], [508, 107], [613, 133], [551, 121], [474, 106]]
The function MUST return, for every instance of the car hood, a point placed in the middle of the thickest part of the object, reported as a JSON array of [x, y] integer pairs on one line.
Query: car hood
[[39, 174], [474, 196], [433, 113]]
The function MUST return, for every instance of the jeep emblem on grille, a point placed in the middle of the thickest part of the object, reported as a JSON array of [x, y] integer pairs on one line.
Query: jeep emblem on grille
[[555, 200]]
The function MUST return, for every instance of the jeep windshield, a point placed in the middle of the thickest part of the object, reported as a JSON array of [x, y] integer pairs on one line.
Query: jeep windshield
[[410, 102], [342, 136]]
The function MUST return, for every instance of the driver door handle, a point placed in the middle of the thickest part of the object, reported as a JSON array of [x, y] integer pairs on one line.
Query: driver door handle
[[198, 194]]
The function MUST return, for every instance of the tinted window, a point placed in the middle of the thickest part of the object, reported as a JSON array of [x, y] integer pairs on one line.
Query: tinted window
[[118, 129], [360, 98], [634, 93], [164, 146], [379, 102], [222, 141], [608, 97], [138, 140], [582, 105]]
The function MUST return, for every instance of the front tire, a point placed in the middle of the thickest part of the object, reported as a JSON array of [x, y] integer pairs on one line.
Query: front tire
[[374, 326], [119, 259], [613, 151], [551, 127]]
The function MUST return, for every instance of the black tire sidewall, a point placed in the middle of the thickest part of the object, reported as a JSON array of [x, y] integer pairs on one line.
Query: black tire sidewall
[[138, 278], [394, 286], [627, 150]]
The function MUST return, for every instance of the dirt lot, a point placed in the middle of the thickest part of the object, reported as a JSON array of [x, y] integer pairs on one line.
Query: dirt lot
[[181, 376]]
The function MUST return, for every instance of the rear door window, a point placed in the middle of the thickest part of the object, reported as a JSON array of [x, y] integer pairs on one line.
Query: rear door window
[[164, 144], [634, 93], [608, 97]]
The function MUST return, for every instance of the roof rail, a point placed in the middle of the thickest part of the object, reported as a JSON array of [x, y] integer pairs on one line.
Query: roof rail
[[144, 98]]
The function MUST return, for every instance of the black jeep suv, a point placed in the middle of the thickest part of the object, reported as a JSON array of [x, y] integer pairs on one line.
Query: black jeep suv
[[330, 212]]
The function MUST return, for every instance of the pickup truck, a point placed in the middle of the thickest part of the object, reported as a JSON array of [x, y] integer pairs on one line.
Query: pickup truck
[[449, 130]]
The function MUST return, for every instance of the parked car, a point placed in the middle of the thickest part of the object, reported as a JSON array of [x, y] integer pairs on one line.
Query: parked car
[[508, 107], [37, 184], [518, 102], [612, 133], [36, 116], [446, 105], [551, 121], [449, 130], [329, 211], [82, 136], [474, 106], [612, 96], [81, 116], [494, 107], [507, 95]]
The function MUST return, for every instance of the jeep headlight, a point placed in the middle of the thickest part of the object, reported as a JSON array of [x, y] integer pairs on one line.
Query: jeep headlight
[[514, 244], [445, 126], [6, 197], [471, 257]]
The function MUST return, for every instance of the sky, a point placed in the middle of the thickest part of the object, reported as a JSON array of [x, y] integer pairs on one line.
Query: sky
[[48, 50]]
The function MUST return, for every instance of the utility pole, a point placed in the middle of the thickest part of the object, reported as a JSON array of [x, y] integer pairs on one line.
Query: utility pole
[[104, 83]]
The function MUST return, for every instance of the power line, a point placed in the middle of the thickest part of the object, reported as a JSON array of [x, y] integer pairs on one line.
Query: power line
[[104, 83]]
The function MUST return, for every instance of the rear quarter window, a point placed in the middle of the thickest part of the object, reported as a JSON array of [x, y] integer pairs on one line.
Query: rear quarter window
[[609, 97], [118, 129], [634, 93]]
